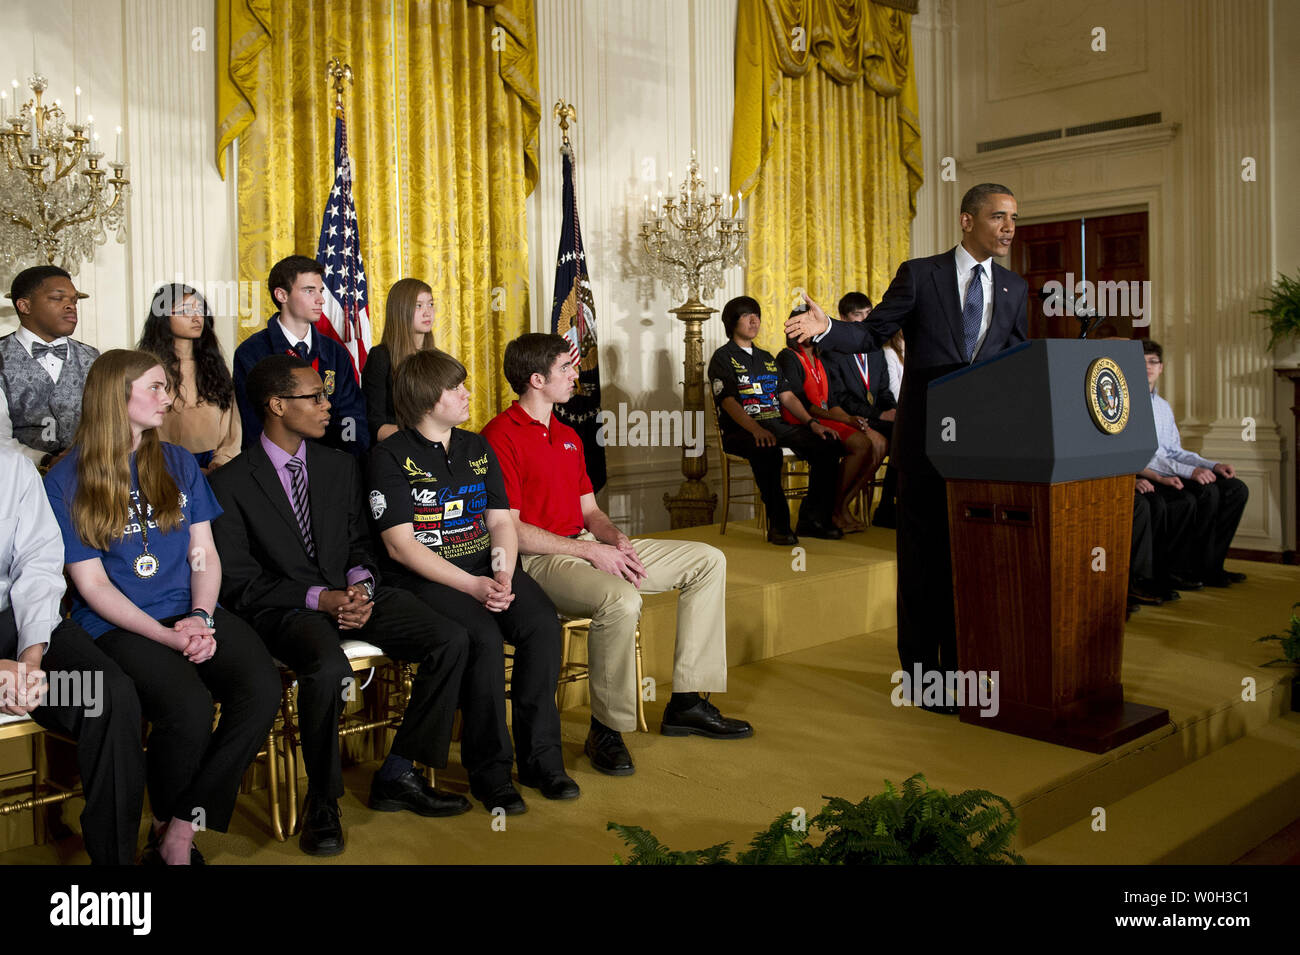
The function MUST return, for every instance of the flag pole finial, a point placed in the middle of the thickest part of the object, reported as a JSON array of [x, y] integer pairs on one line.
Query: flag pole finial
[[566, 114], [338, 73]]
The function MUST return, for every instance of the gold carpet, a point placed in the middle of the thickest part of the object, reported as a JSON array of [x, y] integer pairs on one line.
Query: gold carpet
[[812, 653]]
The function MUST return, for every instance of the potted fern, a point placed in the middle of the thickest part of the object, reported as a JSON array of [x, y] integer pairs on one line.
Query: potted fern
[[914, 825], [1290, 643], [1282, 310]]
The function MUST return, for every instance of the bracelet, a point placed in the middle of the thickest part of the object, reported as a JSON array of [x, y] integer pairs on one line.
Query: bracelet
[[207, 618]]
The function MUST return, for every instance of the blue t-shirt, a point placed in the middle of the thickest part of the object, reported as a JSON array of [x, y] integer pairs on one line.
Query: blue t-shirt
[[167, 592]]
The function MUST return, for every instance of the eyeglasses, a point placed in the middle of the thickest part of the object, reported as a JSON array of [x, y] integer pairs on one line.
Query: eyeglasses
[[317, 397], [188, 311], [1154, 362]]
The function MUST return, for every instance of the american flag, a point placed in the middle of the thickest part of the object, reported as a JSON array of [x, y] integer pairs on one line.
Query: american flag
[[347, 308]]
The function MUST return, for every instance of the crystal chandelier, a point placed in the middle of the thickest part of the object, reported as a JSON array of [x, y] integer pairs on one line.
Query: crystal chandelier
[[688, 241], [57, 201]]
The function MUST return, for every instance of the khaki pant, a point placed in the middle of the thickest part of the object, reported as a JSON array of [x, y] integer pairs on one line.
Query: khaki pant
[[578, 589]]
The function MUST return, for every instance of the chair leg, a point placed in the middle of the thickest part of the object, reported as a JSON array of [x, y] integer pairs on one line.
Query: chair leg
[[273, 787], [40, 768], [291, 758], [640, 701]]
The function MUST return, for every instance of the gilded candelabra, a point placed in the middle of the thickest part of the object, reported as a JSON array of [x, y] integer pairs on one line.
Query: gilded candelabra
[[57, 199], [689, 240]]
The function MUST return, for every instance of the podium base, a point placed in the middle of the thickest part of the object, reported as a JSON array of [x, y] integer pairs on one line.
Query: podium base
[[1098, 730]]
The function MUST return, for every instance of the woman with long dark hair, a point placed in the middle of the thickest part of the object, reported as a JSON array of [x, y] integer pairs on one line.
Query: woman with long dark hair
[[203, 419], [135, 515], [408, 328]]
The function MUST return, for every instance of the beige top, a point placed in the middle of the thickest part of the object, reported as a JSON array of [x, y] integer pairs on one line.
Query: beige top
[[203, 426]]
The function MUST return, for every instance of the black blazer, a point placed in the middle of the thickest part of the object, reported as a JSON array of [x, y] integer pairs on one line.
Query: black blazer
[[922, 301], [377, 387], [264, 562], [850, 392]]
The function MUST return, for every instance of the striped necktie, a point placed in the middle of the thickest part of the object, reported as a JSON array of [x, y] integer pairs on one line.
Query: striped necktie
[[972, 312], [301, 504]]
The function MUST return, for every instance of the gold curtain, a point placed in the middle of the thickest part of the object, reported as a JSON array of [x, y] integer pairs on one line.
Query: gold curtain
[[442, 128], [829, 158]]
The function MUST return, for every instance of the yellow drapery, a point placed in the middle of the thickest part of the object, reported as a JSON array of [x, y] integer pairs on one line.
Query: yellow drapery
[[826, 145], [442, 128]]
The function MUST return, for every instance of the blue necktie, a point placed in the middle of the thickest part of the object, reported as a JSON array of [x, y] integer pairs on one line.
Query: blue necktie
[[972, 312], [301, 349]]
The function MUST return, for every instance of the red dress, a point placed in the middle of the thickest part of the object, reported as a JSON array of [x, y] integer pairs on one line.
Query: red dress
[[817, 390]]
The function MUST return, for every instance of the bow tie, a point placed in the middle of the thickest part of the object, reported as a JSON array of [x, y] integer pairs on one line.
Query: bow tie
[[40, 348]]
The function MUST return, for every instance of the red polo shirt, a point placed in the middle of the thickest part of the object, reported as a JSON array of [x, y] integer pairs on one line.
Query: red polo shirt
[[544, 468]]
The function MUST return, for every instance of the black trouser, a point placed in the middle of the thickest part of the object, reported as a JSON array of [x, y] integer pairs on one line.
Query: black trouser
[[927, 630], [531, 625], [92, 701], [1141, 557], [823, 456], [309, 642], [194, 770], [1219, 506], [1173, 522]]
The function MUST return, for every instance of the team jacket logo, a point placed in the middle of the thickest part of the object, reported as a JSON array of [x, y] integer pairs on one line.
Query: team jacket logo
[[329, 382], [479, 465], [415, 473], [378, 504]]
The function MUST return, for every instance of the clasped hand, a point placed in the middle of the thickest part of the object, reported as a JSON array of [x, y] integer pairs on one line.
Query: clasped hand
[[22, 688], [619, 559], [194, 639], [351, 608]]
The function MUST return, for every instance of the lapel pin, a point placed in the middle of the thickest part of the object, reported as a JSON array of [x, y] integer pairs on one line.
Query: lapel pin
[[1004, 290]]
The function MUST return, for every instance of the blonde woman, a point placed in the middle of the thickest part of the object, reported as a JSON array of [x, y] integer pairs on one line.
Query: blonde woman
[[408, 328], [135, 515]]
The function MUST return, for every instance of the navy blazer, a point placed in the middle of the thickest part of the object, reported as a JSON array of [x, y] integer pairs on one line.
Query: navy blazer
[[922, 301], [849, 391], [333, 363]]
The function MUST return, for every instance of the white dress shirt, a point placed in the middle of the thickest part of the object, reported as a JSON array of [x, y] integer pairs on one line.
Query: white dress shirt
[[965, 265], [31, 551], [53, 365], [306, 339]]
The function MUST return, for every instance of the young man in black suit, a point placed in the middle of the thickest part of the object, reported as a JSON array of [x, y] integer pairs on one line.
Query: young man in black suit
[[954, 308], [297, 563]]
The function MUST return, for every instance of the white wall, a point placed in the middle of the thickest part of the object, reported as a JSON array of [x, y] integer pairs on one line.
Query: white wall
[[146, 65]]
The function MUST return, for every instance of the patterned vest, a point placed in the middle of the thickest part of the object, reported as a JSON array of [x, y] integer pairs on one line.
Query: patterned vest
[[36, 402]]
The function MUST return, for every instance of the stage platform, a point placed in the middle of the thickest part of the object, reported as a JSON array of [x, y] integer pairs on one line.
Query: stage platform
[[812, 652]]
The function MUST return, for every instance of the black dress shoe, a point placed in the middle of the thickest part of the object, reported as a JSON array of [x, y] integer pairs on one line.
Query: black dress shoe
[[703, 719], [322, 827], [607, 753], [1139, 594], [1234, 577], [782, 538], [817, 529], [410, 792], [1177, 582], [556, 785], [1220, 579], [504, 797]]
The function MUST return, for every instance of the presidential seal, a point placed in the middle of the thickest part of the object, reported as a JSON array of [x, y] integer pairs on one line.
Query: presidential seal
[[1107, 396]]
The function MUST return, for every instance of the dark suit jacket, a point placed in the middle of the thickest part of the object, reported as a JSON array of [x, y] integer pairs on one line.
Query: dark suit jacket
[[922, 301], [264, 562], [848, 390]]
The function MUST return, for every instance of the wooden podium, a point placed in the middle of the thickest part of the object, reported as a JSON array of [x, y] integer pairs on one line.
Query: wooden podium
[[1039, 447]]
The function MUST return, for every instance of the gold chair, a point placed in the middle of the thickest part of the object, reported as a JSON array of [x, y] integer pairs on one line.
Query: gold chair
[[382, 711], [571, 672], [44, 791]]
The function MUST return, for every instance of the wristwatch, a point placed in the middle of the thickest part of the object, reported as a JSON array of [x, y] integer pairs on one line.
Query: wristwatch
[[368, 585], [203, 615]]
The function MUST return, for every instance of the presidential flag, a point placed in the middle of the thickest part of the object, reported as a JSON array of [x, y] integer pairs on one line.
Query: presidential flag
[[573, 315], [346, 317]]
